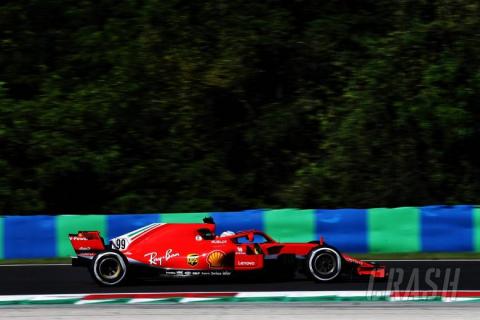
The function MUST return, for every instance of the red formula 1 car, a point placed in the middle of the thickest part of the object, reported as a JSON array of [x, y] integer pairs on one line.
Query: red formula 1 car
[[193, 250]]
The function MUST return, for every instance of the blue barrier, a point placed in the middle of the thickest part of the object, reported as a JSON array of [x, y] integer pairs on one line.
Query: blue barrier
[[29, 237], [446, 228], [346, 229]]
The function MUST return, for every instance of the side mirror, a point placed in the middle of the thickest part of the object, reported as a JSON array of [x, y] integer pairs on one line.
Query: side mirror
[[250, 237]]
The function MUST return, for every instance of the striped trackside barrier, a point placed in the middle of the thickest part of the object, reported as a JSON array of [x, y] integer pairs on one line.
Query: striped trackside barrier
[[376, 230], [239, 297]]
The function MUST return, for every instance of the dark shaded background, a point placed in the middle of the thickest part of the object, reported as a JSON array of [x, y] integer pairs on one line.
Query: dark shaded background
[[168, 105]]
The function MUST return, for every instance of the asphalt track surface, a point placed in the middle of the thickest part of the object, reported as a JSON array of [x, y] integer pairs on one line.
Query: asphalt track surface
[[404, 275]]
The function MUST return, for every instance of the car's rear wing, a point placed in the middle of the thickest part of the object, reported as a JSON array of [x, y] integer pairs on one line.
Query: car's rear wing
[[87, 243]]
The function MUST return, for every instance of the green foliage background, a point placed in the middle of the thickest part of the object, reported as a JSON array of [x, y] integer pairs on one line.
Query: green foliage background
[[171, 105]]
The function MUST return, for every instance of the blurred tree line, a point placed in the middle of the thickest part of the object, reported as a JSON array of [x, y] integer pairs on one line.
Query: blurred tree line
[[174, 105]]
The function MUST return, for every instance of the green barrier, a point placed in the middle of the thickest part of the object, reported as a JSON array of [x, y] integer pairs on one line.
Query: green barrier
[[1, 238], [72, 224], [396, 229], [476, 229], [192, 217], [290, 225]]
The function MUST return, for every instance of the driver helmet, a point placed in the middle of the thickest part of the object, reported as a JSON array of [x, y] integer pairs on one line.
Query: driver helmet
[[227, 233]]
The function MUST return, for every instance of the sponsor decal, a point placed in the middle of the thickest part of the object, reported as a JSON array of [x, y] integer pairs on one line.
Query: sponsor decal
[[153, 258], [78, 239], [219, 241], [215, 259], [215, 273], [352, 260], [187, 273], [246, 263], [239, 249], [87, 254], [192, 259], [84, 248]]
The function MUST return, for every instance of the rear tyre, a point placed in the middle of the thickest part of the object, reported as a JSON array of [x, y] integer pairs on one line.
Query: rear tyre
[[109, 268], [324, 264]]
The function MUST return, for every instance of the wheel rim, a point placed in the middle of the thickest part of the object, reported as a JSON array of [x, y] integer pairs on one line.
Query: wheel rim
[[325, 264], [109, 268]]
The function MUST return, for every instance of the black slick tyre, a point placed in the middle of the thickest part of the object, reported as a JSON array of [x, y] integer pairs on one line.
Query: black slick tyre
[[109, 268], [324, 264]]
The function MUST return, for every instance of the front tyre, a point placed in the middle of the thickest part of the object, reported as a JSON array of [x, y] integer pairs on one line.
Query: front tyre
[[109, 268], [324, 264]]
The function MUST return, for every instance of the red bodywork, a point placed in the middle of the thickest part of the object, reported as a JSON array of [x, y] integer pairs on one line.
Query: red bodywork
[[87, 243], [195, 248]]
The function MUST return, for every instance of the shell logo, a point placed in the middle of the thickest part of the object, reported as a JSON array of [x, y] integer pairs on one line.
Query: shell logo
[[215, 259]]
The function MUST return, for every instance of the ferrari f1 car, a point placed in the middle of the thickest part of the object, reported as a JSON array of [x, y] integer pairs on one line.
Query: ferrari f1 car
[[194, 250]]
